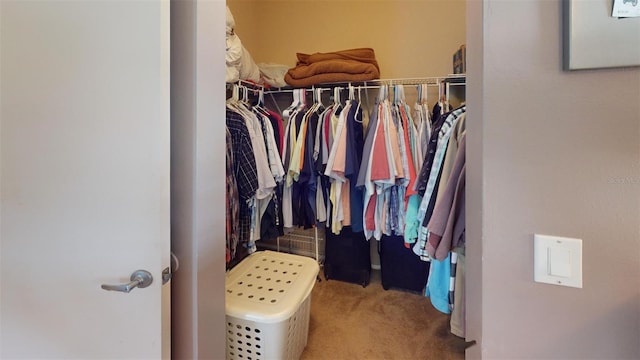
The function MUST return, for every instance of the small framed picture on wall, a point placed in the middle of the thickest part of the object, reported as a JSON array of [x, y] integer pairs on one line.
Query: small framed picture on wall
[[601, 34]]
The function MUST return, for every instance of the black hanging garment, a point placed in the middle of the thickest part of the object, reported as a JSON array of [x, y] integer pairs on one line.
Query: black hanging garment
[[400, 267], [347, 256]]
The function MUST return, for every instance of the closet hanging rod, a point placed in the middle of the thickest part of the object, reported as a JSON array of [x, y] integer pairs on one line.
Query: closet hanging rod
[[454, 80], [364, 87], [252, 85]]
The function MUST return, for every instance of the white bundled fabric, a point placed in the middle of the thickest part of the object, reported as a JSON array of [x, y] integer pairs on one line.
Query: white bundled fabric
[[233, 55], [240, 64], [231, 22], [248, 68], [273, 74]]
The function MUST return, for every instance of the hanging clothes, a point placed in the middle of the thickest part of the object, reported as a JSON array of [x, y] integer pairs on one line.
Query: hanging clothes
[[354, 150], [231, 201], [304, 149], [388, 172], [269, 218], [438, 284], [447, 225], [244, 169], [335, 171], [446, 235], [458, 322], [307, 179], [428, 200], [346, 141], [424, 123], [320, 156], [257, 167]]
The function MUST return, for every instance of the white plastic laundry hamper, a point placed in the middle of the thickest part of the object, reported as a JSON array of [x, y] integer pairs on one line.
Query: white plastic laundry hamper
[[268, 301]]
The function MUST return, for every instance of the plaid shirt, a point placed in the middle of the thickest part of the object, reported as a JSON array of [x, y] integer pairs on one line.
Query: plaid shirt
[[232, 199], [244, 168]]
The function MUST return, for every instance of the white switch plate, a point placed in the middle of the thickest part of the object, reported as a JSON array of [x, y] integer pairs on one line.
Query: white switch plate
[[557, 260]]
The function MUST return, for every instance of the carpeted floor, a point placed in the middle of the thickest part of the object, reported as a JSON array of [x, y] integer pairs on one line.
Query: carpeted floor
[[352, 322]]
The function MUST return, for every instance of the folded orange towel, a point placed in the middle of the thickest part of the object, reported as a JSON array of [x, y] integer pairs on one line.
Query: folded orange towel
[[340, 66], [330, 71], [365, 55]]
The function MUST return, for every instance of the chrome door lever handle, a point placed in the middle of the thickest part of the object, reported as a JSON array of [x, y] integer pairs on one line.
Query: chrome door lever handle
[[139, 279]]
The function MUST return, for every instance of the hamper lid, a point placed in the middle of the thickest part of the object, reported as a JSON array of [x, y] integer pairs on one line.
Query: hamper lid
[[269, 286]]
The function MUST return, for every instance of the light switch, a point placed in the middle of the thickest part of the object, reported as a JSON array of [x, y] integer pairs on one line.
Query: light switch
[[558, 260]]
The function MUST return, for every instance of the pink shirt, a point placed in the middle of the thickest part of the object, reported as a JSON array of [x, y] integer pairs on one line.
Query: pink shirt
[[412, 170], [380, 163]]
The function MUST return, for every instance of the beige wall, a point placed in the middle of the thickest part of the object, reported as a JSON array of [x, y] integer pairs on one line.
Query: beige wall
[[557, 153], [410, 38]]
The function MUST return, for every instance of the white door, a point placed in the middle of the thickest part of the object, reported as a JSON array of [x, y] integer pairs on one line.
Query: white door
[[84, 178]]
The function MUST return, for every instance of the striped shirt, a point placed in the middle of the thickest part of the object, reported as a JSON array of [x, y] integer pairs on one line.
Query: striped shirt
[[423, 213]]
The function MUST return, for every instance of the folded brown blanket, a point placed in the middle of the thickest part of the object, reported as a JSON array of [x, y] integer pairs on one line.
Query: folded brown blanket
[[365, 55], [340, 66], [330, 71]]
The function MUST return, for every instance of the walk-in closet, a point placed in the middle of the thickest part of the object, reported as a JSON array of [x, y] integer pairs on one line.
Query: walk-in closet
[[384, 288]]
